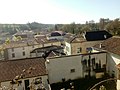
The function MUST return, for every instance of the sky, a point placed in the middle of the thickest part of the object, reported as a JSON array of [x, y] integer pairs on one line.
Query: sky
[[57, 11]]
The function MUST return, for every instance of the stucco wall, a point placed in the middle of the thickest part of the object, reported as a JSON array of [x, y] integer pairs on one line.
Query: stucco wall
[[67, 49], [19, 52], [22, 85], [112, 61], [84, 45], [60, 67], [118, 84], [27, 49]]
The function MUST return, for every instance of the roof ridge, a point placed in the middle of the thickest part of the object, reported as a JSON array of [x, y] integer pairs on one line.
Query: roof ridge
[[21, 59]]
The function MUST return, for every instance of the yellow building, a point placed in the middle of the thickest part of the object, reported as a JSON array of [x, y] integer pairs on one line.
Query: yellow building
[[84, 44]]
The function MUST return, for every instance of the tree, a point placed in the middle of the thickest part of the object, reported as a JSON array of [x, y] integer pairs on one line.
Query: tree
[[113, 27], [85, 28], [7, 41], [73, 27], [103, 22], [56, 27]]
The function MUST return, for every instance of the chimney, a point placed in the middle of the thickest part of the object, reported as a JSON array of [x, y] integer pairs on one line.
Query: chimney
[[100, 45]]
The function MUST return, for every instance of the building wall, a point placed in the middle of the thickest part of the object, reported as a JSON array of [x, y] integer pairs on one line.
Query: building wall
[[97, 64], [27, 49], [22, 85], [112, 61], [60, 68], [18, 53], [89, 44], [83, 45], [67, 49], [118, 84], [75, 46], [70, 67], [52, 43]]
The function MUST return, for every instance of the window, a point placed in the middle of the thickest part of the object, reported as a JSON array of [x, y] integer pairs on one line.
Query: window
[[13, 55], [23, 53], [72, 70], [79, 50]]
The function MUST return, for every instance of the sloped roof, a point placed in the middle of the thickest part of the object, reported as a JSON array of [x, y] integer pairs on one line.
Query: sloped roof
[[75, 39], [44, 40], [57, 33], [90, 36], [11, 68], [97, 35], [111, 45], [47, 48], [20, 43]]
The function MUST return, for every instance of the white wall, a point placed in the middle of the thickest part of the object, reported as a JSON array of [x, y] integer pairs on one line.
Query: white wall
[[118, 84], [60, 67], [112, 61], [118, 79], [99, 58], [19, 52], [22, 86], [67, 49]]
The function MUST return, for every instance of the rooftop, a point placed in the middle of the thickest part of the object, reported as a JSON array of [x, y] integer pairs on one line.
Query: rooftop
[[11, 68], [45, 40], [90, 36], [111, 45], [97, 35], [20, 43], [75, 39]]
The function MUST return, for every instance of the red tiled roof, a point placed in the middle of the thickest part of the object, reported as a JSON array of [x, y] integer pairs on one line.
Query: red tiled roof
[[11, 68], [111, 45], [21, 43], [76, 39], [44, 40]]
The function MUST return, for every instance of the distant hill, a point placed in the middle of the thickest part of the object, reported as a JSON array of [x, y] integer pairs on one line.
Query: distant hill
[[34, 26]]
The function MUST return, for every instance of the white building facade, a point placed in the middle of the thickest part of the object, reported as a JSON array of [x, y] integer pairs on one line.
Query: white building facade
[[74, 67]]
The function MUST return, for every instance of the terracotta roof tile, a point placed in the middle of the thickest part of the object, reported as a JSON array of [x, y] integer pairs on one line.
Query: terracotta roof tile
[[11, 68], [76, 39], [21, 43], [111, 45]]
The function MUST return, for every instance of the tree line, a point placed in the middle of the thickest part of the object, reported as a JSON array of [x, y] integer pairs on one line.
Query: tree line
[[112, 26]]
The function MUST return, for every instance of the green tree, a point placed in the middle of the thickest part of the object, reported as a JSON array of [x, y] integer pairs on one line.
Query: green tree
[[7, 41]]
